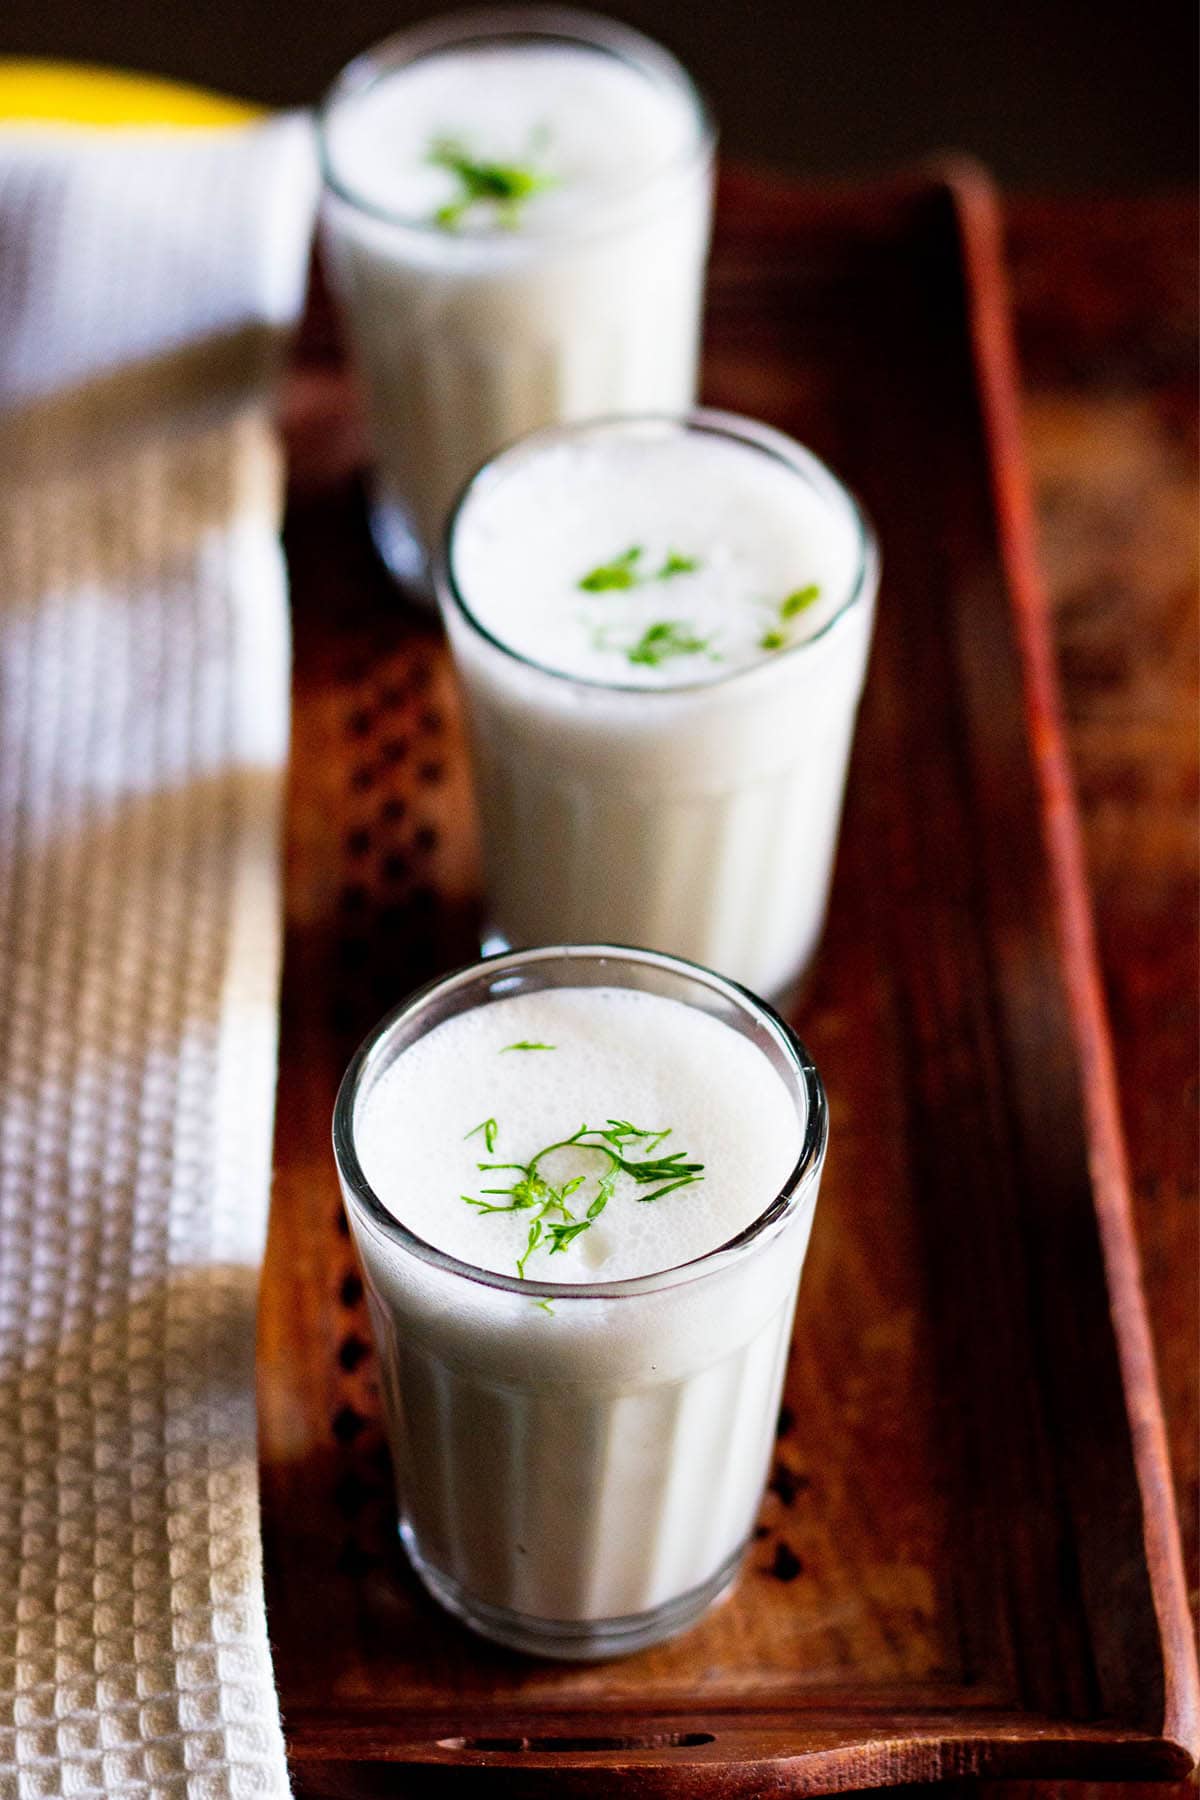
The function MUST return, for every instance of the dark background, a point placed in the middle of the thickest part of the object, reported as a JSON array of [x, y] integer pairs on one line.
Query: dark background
[[1053, 94]]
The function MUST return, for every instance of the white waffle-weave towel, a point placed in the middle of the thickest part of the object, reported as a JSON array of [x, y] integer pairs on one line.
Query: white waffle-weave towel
[[145, 280]]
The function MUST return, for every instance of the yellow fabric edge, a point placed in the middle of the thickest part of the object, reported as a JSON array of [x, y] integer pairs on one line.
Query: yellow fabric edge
[[55, 93]]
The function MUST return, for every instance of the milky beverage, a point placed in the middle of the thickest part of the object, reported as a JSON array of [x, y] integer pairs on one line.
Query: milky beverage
[[593, 1458], [662, 629], [579, 296]]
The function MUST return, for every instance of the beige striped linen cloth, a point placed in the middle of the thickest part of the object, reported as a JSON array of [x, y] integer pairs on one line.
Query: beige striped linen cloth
[[146, 282]]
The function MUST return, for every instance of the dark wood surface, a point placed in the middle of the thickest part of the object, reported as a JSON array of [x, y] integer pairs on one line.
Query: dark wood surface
[[951, 1548], [1106, 307], [1105, 300]]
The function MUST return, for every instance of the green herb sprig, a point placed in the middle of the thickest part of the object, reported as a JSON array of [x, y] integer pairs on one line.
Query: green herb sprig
[[675, 564], [662, 641], [798, 601], [524, 1044], [665, 638], [505, 187], [623, 571], [555, 1226]]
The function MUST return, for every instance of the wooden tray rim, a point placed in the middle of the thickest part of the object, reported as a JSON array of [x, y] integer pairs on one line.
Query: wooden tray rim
[[990, 325], [821, 1754], [818, 1745]]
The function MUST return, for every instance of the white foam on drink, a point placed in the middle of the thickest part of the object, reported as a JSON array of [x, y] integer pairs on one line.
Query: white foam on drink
[[618, 1054], [596, 126], [542, 522]]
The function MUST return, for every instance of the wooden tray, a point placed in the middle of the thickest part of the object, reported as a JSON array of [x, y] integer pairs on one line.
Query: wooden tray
[[967, 1560]]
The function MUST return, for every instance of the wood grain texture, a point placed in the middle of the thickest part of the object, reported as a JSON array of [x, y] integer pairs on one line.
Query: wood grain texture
[[951, 1575], [1106, 306], [1105, 297]]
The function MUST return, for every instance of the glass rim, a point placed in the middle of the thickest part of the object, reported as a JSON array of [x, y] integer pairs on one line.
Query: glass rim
[[479, 26], [782, 1206], [716, 422]]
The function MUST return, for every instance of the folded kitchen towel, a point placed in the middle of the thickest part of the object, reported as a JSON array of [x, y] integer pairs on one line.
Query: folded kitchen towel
[[145, 281]]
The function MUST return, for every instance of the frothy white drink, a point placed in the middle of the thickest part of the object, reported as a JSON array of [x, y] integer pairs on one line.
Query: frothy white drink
[[662, 631], [643, 1416], [518, 225], [467, 1094]]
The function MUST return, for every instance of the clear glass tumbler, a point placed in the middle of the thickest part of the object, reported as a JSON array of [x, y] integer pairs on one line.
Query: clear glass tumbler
[[699, 818], [467, 339], [583, 1482]]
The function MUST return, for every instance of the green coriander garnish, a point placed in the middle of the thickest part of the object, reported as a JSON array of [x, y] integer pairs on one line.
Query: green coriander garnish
[[675, 564], [668, 638], [524, 1044], [555, 1226], [623, 572], [798, 601], [505, 187], [619, 573], [489, 1129]]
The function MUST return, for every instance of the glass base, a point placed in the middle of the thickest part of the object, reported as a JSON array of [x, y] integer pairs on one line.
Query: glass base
[[573, 1640], [400, 550]]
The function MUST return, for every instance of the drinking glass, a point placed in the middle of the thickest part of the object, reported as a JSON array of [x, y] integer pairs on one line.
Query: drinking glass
[[699, 818], [465, 340], [581, 1481]]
